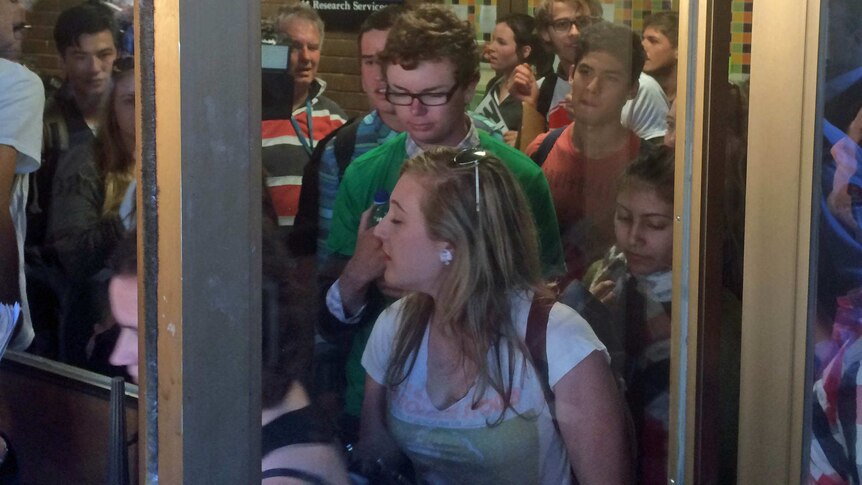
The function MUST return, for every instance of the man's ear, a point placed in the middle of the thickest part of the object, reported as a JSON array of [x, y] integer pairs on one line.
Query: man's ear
[[545, 35], [525, 52]]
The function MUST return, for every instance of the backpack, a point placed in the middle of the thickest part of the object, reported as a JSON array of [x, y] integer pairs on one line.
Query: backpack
[[303, 237], [536, 339]]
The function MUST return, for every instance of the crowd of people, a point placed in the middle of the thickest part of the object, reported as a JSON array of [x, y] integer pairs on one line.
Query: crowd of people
[[440, 343]]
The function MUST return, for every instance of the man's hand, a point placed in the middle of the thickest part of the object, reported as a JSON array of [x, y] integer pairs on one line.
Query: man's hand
[[366, 265], [510, 137], [524, 86]]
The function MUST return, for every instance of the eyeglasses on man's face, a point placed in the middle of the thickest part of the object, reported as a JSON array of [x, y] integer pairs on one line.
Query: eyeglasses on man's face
[[562, 26], [427, 99]]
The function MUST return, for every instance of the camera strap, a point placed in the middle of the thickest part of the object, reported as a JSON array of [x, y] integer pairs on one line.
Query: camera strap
[[308, 143]]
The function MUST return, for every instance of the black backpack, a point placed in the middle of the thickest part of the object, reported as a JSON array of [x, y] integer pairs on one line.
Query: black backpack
[[303, 237]]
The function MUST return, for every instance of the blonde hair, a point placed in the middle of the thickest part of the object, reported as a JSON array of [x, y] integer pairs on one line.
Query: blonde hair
[[495, 253], [113, 162]]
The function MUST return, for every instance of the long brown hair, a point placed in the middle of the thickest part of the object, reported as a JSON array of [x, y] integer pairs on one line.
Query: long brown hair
[[495, 254], [113, 161]]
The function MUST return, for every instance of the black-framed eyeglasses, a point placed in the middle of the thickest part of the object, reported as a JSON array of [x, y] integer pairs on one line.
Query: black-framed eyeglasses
[[564, 25], [471, 157], [426, 99]]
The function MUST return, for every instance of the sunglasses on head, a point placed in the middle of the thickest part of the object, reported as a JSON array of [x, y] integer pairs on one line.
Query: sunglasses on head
[[470, 157]]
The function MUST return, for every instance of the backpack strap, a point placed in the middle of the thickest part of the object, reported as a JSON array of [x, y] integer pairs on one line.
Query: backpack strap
[[345, 145], [536, 341], [302, 239], [294, 473], [546, 93], [547, 144]]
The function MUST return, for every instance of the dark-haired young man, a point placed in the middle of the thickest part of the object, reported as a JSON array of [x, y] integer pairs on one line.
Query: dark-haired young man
[[85, 36], [661, 30], [584, 160], [559, 23]]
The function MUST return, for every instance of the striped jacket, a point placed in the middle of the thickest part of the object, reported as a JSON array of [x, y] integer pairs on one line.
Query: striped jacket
[[285, 152]]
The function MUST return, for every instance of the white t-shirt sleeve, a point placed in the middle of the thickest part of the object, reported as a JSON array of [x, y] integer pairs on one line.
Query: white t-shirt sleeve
[[569, 340], [378, 350], [646, 115], [22, 101]]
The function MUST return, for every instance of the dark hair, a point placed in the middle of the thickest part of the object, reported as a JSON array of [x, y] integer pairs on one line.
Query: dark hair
[[124, 259], [86, 18], [288, 341], [665, 22], [524, 29], [653, 168], [382, 19], [617, 40], [433, 33]]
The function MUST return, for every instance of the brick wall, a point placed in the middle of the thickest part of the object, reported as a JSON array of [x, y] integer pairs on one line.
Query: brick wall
[[339, 65]]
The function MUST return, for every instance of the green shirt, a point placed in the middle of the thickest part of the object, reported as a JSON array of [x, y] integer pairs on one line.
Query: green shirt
[[381, 167]]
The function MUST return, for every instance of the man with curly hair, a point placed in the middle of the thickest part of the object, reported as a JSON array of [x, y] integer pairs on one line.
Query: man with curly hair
[[431, 64]]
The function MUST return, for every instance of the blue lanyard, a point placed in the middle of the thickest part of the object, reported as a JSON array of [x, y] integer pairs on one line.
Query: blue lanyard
[[308, 144]]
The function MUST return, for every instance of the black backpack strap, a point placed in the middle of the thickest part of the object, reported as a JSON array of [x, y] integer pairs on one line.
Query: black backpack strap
[[345, 144], [302, 239], [546, 93], [536, 341], [547, 144], [294, 473]]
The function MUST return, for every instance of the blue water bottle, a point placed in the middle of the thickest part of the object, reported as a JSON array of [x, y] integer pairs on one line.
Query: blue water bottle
[[380, 208]]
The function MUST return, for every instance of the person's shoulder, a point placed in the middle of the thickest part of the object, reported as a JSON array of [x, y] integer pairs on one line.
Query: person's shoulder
[[17, 80], [378, 155], [648, 82], [503, 151]]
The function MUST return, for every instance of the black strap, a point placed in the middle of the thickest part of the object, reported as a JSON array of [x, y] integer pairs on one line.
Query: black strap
[[536, 340], [294, 473], [303, 237], [546, 93], [345, 145], [303, 426], [547, 144]]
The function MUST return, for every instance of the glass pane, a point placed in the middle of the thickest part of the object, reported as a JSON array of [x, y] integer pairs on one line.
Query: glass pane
[[81, 200], [837, 279], [606, 243]]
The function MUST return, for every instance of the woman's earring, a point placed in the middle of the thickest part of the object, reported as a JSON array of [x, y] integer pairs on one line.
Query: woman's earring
[[446, 256]]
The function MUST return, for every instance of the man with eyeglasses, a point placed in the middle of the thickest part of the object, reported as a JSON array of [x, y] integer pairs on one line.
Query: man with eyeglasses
[[559, 23], [431, 63]]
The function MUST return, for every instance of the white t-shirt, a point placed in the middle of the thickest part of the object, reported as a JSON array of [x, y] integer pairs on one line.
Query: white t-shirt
[[22, 101], [456, 445], [646, 115]]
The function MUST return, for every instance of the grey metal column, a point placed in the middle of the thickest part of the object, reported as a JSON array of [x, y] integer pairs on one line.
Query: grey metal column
[[201, 183]]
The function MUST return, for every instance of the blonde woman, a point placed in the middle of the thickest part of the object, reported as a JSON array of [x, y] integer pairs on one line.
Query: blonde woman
[[450, 382]]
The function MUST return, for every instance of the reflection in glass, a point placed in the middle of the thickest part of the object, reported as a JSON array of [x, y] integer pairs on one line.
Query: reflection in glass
[[837, 355]]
